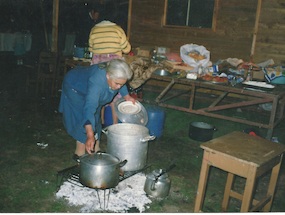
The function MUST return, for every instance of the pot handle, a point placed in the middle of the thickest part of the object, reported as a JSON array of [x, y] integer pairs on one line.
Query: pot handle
[[148, 138], [123, 163], [105, 130]]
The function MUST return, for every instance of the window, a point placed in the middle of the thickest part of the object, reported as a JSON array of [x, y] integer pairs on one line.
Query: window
[[192, 13]]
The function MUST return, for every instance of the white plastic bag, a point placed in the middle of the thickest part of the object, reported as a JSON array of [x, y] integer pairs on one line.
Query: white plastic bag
[[203, 55]]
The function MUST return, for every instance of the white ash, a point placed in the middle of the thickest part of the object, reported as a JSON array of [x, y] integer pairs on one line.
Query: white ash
[[129, 193]]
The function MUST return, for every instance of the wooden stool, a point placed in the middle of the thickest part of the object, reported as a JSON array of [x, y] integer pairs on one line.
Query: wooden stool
[[244, 155]]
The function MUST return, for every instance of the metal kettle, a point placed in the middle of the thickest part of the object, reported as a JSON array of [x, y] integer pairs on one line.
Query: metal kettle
[[157, 183]]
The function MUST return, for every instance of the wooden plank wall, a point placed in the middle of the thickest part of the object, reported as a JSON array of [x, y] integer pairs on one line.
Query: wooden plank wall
[[271, 32], [233, 34]]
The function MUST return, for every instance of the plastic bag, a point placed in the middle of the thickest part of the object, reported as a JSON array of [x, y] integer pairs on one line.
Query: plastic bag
[[195, 55]]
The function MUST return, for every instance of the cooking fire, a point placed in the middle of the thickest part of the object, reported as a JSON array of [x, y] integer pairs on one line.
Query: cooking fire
[[128, 194]]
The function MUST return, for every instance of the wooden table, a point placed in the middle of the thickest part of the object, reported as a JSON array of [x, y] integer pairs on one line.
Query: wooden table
[[247, 156], [243, 96]]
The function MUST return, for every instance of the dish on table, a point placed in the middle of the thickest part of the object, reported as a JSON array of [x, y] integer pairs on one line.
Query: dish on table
[[258, 84], [161, 72]]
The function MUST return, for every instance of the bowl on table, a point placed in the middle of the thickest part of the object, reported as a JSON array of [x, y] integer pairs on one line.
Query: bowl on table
[[161, 72]]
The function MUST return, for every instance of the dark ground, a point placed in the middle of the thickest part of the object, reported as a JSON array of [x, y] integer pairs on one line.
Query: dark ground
[[28, 173]]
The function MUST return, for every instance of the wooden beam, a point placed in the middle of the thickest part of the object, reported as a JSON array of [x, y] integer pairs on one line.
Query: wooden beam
[[54, 40], [255, 29], [129, 19]]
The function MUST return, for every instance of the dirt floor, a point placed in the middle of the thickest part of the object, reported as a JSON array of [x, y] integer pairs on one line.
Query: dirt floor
[[28, 182]]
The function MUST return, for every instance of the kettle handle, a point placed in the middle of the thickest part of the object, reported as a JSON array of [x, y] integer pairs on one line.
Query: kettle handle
[[165, 171], [152, 186]]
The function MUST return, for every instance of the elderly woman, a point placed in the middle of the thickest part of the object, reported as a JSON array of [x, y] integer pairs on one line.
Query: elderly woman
[[84, 91]]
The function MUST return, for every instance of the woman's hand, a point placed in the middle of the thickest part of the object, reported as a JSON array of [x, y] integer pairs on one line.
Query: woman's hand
[[89, 145], [129, 98], [90, 142]]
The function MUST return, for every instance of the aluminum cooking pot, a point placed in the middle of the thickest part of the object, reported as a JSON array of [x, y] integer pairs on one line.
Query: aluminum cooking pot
[[201, 131], [129, 142], [100, 170]]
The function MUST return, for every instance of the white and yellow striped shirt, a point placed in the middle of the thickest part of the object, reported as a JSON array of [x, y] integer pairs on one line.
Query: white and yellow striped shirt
[[108, 38]]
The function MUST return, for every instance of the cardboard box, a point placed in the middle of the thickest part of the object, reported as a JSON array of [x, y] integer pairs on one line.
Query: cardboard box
[[174, 66], [256, 75], [144, 51]]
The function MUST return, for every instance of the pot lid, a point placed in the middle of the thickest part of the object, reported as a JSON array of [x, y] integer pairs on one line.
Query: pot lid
[[100, 159], [202, 125], [128, 112], [128, 107]]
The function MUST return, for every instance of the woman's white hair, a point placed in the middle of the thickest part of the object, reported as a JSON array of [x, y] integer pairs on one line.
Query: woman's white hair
[[119, 69]]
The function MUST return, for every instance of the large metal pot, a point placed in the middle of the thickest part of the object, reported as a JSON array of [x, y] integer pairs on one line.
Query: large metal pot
[[100, 170], [201, 131], [129, 142]]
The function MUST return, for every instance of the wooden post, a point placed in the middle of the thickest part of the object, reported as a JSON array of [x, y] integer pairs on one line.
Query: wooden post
[[129, 19], [44, 25], [255, 29], [55, 26]]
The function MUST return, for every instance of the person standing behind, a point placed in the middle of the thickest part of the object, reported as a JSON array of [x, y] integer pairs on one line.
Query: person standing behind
[[108, 41]]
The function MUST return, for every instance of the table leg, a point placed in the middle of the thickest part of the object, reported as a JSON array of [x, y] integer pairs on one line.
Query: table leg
[[200, 195], [248, 190], [167, 88], [272, 119], [272, 185], [227, 192], [192, 97]]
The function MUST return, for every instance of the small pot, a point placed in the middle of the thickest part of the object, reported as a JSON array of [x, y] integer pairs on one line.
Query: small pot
[[100, 170], [201, 131]]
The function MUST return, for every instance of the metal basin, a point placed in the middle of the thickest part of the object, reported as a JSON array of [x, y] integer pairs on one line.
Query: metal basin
[[161, 72]]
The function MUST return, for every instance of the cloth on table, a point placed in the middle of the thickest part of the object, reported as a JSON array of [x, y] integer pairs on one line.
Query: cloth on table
[[142, 70]]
